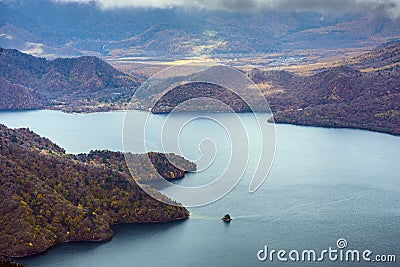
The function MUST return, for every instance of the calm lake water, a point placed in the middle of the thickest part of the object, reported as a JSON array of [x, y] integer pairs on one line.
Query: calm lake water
[[325, 184]]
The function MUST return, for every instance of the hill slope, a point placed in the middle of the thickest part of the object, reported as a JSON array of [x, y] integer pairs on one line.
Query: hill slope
[[48, 197], [18, 97], [63, 82], [383, 57], [341, 96]]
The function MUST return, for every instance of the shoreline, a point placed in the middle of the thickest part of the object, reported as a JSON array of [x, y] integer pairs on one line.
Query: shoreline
[[18, 258], [365, 128], [368, 129], [89, 214]]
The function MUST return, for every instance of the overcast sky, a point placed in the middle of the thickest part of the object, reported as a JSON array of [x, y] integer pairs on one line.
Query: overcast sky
[[388, 7]]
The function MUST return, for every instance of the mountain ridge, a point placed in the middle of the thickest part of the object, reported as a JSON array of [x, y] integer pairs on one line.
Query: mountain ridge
[[64, 83], [77, 28]]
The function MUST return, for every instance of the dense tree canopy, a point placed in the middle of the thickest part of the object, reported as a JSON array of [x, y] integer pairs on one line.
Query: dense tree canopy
[[49, 197]]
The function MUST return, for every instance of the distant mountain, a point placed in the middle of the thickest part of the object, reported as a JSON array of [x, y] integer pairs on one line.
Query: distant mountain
[[48, 197], [85, 29], [14, 37], [344, 96], [61, 83], [356, 32]]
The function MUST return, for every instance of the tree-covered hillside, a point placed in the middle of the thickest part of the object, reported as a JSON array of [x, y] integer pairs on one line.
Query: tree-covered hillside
[[64, 83], [361, 92], [48, 197]]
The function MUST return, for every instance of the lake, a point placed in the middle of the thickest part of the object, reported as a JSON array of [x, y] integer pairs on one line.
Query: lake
[[325, 184]]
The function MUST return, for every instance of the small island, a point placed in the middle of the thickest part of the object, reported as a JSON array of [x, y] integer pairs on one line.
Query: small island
[[227, 218]]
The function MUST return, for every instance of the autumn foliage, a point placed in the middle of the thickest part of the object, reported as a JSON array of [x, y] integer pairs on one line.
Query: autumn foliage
[[70, 84], [346, 96], [48, 197]]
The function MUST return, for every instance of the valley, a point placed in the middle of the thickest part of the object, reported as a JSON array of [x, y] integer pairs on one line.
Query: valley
[[353, 90]]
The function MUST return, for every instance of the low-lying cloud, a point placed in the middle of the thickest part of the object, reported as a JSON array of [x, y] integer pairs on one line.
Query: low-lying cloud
[[377, 7]]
